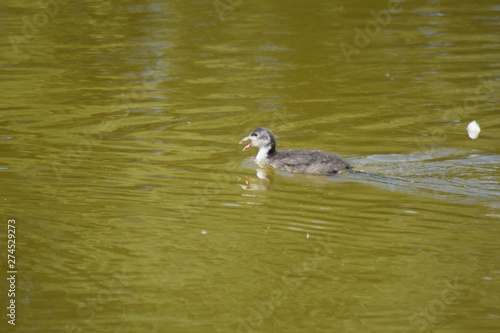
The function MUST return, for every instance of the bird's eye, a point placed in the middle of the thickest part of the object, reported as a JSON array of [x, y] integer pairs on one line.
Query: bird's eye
[[253, 134]]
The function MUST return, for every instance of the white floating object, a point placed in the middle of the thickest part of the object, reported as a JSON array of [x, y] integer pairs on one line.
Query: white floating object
[[204, 232], [473, 130], [307, 236]]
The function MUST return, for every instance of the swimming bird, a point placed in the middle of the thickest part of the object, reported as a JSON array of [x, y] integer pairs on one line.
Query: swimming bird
[[301, 161]]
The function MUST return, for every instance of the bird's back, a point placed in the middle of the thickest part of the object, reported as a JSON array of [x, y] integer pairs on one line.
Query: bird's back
[[306, 161]]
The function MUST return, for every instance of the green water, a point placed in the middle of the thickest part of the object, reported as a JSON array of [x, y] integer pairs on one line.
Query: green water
[[137, 211]]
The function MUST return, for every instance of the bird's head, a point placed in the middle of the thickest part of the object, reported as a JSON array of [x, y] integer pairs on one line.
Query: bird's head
[[261, 138]]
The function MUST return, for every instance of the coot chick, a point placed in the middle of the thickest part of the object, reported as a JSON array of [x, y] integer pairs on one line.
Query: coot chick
[[302, 161]]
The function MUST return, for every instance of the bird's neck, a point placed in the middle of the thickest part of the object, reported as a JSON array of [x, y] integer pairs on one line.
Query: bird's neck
[[264, 153]]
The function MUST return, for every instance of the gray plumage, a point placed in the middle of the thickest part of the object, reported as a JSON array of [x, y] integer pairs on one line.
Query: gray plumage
[[302, 161]]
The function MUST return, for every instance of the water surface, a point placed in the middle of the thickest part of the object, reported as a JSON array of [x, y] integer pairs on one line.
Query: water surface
[[136, 210]]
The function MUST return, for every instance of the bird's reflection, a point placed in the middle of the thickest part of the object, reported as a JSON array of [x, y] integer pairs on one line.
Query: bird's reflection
[[262, 182]]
